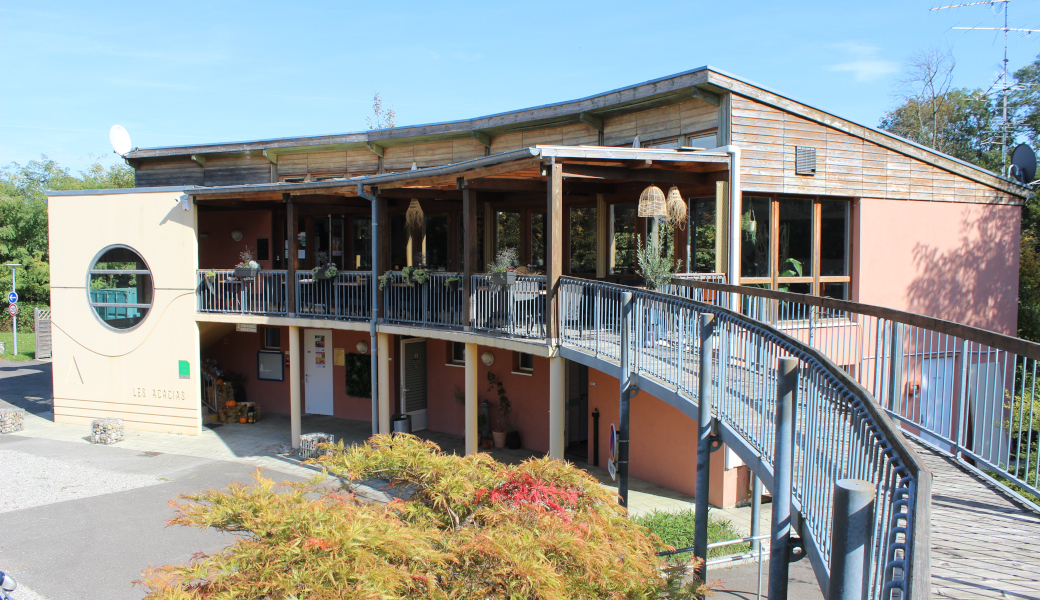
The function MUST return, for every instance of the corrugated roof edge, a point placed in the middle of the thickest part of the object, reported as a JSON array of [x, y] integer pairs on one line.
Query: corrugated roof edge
[[109, 191]]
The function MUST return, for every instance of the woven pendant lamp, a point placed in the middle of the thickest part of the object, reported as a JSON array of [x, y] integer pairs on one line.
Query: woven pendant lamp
[[652, 203], [414, 218], [676, 208]]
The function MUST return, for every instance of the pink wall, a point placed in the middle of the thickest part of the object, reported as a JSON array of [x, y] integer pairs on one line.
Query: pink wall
[[529, 394], [216, 248], [237, 352], [953, 261]]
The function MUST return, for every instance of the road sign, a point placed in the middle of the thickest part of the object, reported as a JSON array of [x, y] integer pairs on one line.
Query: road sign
[[612, 463], [13, 309], [13, 297]]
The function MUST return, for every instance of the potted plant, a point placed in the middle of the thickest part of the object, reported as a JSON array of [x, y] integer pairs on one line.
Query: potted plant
[[209, 279], [248, 267], [453, 283], [505, 408], [503, 270], [325, 269], [655, 269], [386, 279]]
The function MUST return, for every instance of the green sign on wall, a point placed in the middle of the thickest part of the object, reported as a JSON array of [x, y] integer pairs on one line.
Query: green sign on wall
[[184, 369]]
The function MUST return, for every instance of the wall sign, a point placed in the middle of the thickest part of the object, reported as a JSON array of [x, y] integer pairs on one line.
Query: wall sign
[[246, 327], [269, 365], [184, 369]]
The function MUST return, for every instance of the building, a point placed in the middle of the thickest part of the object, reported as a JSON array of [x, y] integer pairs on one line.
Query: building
[[779, 195]]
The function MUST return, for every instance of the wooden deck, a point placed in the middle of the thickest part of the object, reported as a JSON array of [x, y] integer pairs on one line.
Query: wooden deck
[[983, 544]]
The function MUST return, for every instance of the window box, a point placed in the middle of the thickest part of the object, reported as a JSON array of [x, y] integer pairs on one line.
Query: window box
[[245, 272]]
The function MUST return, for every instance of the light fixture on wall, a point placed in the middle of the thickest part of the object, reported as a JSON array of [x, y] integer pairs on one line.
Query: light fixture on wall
[[414, 218], [488, 358], [362, 347], [236, 234], [652, 202]]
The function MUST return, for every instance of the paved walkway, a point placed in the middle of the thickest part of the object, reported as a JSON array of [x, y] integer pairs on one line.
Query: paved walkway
[[984, 545]]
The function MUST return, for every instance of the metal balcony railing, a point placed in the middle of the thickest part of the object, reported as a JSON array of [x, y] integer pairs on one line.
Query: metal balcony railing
[[963, 390], [435, 302], [509, 304], [220, 291], [840, 430], [346, 295]]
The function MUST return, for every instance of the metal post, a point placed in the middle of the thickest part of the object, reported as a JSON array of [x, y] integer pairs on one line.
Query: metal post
[[783, 471], [622, 436], [756, 511], [700, 524], [373, 336], [896, 369], [595, 437], [851, 539], [14, 318]]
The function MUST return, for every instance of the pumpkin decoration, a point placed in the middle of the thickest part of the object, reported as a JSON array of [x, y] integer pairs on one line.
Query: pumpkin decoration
[[231, 404], [220, 382], [242, 420]]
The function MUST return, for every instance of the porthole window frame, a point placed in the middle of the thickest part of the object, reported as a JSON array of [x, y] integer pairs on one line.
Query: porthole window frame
[[94, 305]]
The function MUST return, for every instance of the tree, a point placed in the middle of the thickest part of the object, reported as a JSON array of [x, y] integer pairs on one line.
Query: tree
[[23, 215], [380, 119], [466, 527]]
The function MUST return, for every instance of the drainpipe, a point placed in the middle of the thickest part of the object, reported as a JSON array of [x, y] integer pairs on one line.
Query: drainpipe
[[373, 345], [733, 276]]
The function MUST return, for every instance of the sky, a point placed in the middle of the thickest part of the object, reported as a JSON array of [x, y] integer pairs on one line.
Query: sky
[[178, 73]]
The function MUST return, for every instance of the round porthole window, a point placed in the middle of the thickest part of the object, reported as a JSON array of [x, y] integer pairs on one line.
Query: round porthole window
[[119, 287]]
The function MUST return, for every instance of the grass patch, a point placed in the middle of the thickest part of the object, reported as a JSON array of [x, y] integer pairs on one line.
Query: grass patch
[[676, 529], [1028, 495], [26, 346]]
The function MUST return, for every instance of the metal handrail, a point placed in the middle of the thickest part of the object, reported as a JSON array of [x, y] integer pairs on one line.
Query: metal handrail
[[436, 302], [963, 390], [345, 295], [841, 431], [509, 304], [220, 291]]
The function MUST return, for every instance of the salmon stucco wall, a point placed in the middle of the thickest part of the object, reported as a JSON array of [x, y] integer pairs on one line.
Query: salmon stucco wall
[[217, 249], [131, 374], [953, 261], [237, 351], [663, 446], [527, 393]]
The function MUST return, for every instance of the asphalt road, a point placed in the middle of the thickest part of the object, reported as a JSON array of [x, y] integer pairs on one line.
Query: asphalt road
[[95, 547]]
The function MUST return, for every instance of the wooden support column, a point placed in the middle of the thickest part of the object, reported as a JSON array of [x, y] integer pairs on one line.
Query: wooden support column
[[295, 366], [470, 254], [489, 235], [602, 233], [554, 260], [472, 393], [290, 262], [384, 383], [557, 406]]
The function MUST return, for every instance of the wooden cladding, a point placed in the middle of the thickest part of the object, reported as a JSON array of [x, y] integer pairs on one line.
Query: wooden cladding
[[846, 165]]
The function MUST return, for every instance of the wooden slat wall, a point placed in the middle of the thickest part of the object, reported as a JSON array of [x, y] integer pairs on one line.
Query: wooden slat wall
[[165, 172], [846, 165], [231, 170]]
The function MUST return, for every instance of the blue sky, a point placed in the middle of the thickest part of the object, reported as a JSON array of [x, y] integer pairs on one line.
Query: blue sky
[[186, 72]]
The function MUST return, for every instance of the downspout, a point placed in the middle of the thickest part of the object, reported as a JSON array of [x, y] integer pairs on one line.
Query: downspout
[[733, 265], [373, 345]]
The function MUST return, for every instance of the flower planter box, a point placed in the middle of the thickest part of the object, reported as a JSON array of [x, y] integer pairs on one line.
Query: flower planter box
[[507, 278], [320, 275], [245, 272]]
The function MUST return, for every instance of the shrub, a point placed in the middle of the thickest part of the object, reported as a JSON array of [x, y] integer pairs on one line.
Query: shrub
[[465, 527], [675, 529]]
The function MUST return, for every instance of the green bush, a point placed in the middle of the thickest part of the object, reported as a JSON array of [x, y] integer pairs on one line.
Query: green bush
[[466, 527], [676, 530], [359, 376], [25, 316]]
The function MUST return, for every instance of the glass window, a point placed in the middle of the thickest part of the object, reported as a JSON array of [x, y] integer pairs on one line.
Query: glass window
[[273, 338], [622, 239], [583, 239], [702, 235], [705, 141], [538, 249], [399, 236], [834, 238], [754, 237], [120, 287], [795, 238], [362, 244], [436, 246], [525, 362], [507, 231], [458, 352]]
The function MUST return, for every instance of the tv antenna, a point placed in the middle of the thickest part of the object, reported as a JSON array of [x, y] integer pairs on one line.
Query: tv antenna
[[120, 140], [1004, 87]]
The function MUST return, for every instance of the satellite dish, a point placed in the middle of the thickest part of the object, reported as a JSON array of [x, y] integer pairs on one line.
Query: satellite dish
[[120, 140], [1023, 164]]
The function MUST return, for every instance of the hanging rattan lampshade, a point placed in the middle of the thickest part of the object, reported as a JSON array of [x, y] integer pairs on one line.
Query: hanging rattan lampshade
[[676, 207], [414, 218], [652, 203]]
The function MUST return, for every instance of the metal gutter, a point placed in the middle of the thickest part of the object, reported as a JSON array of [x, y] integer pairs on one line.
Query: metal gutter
[[108, 192]]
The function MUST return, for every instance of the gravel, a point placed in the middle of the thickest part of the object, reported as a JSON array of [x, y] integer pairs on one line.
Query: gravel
[[27, 480]]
